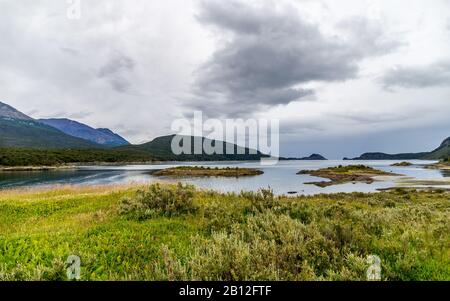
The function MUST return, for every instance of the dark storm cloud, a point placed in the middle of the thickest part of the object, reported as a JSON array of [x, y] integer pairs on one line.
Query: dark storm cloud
[[116, 72], [268, 52], [433, 75]]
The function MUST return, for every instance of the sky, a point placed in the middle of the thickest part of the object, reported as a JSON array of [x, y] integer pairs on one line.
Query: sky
[[343, 77]]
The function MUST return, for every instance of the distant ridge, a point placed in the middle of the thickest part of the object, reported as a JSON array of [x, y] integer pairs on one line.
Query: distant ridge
[[77, 129], [161, 148], [442, 152], [383, 156], [21, 131], [313, 157], [17, 130], [6, 111]]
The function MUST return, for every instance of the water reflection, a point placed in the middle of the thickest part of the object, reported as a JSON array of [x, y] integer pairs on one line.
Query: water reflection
[[282, 178]]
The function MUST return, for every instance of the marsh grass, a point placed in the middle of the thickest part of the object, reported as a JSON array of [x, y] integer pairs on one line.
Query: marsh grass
[[204, 235]]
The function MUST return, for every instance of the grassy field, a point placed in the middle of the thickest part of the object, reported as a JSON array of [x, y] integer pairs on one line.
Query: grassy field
[[177, 233]]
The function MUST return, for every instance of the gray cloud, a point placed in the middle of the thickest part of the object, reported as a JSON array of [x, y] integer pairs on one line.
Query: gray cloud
[[370, 118], [130, 65], [433, 75], [267, 53], [116, 72]]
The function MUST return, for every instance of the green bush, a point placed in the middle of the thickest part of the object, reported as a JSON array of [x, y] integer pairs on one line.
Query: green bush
[[221, 214], [275, 247], [261, 200], [159, 201]]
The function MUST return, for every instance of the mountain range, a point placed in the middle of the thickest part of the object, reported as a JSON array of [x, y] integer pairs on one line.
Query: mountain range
[[443, 151], [20, 131], [161, 148], [76, 129], [52, 138]]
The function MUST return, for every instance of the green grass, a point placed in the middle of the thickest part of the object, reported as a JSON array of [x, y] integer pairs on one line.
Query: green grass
[[190, 235]]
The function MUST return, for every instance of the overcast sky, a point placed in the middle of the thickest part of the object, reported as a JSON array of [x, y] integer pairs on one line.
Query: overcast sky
[[344, 77]]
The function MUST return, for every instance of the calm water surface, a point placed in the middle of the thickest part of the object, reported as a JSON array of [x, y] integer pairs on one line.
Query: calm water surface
[[281, 178]]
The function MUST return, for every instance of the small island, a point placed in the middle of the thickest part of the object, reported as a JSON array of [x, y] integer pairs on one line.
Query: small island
[[313, 157], [345, 174], [201, 171], [402, 164]]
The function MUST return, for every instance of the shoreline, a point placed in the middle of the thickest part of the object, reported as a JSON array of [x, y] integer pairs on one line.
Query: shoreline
[[36, 168], [111, 187], [441, 166]]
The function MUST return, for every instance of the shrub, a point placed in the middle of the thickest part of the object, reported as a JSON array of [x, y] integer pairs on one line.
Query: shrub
[[221, 214], [275, 247], [21, 272], [159, 201], [170, 268], [262, 200]]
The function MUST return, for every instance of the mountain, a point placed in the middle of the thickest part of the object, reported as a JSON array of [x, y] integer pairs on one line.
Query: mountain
[[161, 149], [33, 134], [383, 156], [316, 157], [20, 130], [76, 129], [313, 157], [442, 152], [6, 111]]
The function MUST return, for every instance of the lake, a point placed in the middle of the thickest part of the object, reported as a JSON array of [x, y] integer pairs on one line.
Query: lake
[[282, 178]]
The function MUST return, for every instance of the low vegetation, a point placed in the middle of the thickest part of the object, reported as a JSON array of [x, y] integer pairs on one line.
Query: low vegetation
[[402, 164], [13, 157], [174, 232], [345, 174], [200, 171], [159, 201]]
